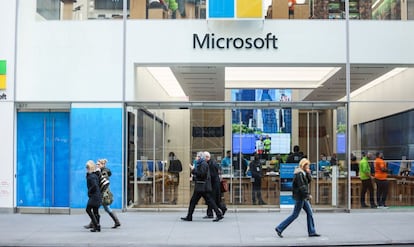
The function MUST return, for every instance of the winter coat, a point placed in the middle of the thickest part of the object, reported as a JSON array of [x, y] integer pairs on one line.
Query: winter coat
[[103, 176], [214, 175], [256, 170], [202, 177], [94, 192], [300, 185]]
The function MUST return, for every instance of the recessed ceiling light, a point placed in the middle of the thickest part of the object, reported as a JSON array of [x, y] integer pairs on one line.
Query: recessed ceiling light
[[277, 77], [167, 80]]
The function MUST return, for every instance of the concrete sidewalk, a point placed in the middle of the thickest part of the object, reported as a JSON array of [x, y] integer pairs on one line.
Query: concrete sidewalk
[[364, 227]]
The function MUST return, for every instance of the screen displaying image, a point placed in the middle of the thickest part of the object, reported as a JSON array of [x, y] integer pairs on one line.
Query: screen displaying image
[[261, 130], [250, 143]]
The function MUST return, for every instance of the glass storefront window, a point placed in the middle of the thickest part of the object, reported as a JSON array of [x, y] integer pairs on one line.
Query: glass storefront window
[[196, 9], [251, 170]]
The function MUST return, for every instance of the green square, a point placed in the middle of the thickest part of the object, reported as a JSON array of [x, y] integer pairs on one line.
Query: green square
[[2, 67]]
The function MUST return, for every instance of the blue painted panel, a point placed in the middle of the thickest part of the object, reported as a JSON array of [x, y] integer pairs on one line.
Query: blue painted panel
[[30, 159], [221, 8], [42, 159], [95, 133], [61, 164]]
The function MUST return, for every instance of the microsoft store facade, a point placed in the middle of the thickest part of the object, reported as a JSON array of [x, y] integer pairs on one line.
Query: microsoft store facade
[[131, 88]]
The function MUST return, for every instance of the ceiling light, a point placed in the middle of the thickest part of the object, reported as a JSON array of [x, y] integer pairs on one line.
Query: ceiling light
[[278, 77], [377, 81], [167, 80]]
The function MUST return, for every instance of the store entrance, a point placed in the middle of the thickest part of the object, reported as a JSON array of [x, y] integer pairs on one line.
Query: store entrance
[[43, 161], [160, 133]]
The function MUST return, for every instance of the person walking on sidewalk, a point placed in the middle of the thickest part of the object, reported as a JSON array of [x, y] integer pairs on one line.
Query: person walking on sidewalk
[[94, 194], [300, 187], [215, 185], [103, 174], [202, 188], [365, 176], [104, 185]]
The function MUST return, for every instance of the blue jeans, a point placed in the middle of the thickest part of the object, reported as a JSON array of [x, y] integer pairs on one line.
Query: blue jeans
[[107, 208], [296, 210]]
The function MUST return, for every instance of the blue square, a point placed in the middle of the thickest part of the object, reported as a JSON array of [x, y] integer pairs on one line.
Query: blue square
[[221, 9]]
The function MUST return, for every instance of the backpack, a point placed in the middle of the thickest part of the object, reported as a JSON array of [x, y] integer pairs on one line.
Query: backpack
[[175, 166]]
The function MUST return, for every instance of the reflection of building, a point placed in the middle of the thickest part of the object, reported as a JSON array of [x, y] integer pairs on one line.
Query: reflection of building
[[246, 114], [268, 115], [266, 120]]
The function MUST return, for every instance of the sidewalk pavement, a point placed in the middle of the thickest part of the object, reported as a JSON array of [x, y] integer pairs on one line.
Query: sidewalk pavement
[[253, 228]]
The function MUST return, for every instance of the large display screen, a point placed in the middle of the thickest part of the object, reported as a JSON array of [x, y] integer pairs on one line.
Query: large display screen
[[252, 126], [247, 143]]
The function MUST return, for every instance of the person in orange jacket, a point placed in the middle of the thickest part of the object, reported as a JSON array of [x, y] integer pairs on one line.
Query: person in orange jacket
[[291, 5], [381, 174]]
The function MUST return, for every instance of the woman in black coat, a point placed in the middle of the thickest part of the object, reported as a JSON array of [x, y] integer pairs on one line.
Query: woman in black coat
[[300, 189], [94, 194]]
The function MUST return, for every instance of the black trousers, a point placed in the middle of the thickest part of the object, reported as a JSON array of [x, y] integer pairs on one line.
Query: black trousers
[[209, 200], [93, 213], [367, 186], [216, 195], [257, 191], [382, 191]]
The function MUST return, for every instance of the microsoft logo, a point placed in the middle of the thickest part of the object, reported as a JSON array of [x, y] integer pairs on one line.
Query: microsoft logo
[[235, 9], [2, 74]]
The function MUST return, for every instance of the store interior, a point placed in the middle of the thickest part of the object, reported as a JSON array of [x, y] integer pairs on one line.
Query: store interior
[[210, 114]]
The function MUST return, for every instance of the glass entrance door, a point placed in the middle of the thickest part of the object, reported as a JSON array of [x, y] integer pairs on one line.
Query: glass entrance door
[[251, 169]]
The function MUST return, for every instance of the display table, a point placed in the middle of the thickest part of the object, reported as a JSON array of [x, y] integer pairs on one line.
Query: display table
[[240, 190]]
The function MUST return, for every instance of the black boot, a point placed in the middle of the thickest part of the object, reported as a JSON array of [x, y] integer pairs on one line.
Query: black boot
[[96, 225], [116, 221]]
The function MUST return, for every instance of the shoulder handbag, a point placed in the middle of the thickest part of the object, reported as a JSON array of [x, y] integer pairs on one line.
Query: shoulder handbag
[[107, 197]]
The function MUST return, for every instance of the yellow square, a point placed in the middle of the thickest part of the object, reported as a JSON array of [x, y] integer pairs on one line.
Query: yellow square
[[2, 81], [249, 8]]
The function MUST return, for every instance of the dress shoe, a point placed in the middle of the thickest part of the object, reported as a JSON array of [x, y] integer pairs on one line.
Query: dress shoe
[[208, 217], [224, 211], [314, 235], [220, 217], [262, 203], [186, 219], [279, 233], [374, 206]]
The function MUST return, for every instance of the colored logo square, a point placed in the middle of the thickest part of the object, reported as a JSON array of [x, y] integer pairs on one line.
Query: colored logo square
[[249, 8], [2, 81], [2, 67], [235, 9], [221, 8]]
